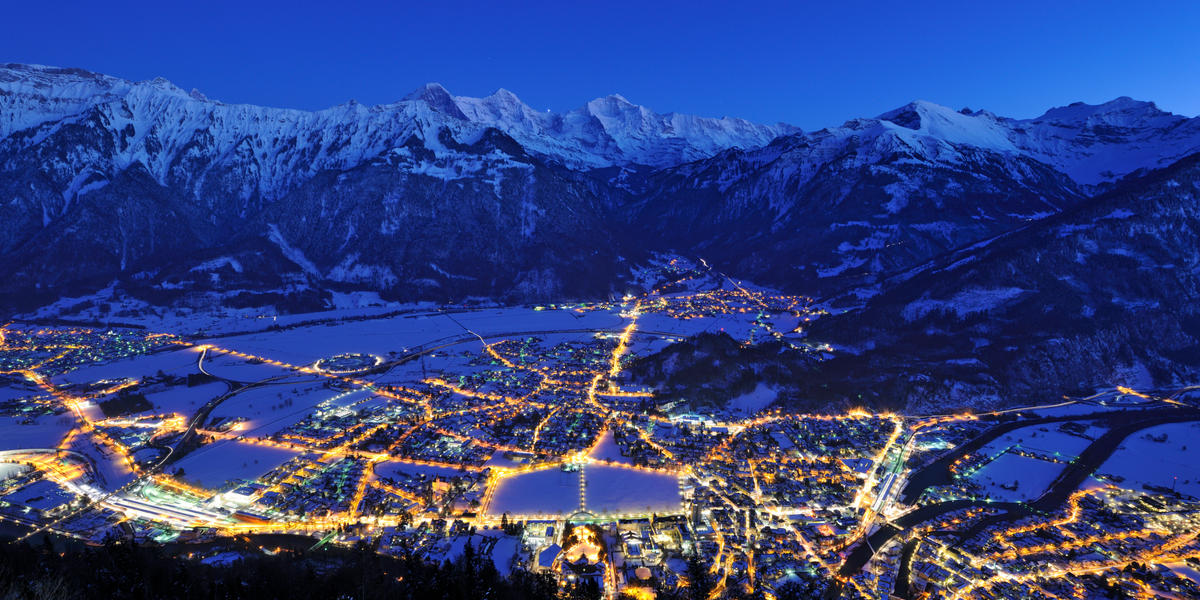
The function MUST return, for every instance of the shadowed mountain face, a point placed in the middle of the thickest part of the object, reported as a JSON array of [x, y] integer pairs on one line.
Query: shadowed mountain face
[[838, 210], [174, 197], [1103, 294]]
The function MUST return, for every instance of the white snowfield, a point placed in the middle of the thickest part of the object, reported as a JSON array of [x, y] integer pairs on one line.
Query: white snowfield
[[549, 492], [1169, 463], [609, 490], [225, 460]]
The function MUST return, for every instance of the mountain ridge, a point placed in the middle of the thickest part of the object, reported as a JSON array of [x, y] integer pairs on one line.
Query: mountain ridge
[[836, 211]]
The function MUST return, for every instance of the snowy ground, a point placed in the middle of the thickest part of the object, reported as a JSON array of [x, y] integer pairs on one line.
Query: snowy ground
[[607, 449], [1141, 461], [503, 553], [645, 345], [184, 400], [622, 490], [1185, 570], [1068, 410], [240, 369], [1086, 408], [497, 461], [1034, 477], [179, 363], [1049, 442], [13, 393], [738, 326], [399, 334], [213, 465], [10, 469], [113, 470], [546, 492], [401, 469], [257, 407], [219, 319], [47, 432], [223, 559], [748, 404]]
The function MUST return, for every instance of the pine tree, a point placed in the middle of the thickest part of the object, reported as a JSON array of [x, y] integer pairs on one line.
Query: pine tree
[[699, 584]]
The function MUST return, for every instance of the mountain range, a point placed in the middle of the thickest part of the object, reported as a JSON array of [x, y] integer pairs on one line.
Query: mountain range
[[905, 221]]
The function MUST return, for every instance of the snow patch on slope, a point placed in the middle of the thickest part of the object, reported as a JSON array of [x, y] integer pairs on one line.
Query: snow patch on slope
[[292, 253], [967, 301]]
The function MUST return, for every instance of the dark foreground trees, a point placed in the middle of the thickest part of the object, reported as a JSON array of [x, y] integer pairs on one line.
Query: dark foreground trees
[[121, 570]]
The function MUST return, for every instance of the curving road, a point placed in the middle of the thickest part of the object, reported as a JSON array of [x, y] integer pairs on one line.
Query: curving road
[[1085, 465]]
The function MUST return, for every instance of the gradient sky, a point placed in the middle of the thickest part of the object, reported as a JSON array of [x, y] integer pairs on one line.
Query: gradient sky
[[813, 66]]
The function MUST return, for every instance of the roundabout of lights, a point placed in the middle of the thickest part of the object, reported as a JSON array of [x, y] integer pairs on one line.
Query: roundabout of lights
[[348, 364]]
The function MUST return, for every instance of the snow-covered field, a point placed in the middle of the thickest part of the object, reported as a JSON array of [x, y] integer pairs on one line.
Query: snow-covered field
[[13, 393], [213, 465], [1141, 461], [397, 334], [609, 490], [1069, 410], [240, 369], [10, 469], [548, 491], [1052, 441], [1185, 570], [607, 449], [178, 363], [737, 326], [497, 461], [748, 404], [1033, 476], [47, 432], [225, 320], [503, 553], [113, 470], [264, 410], [645, 345], [623, 490], [184, 400], [401, 469]]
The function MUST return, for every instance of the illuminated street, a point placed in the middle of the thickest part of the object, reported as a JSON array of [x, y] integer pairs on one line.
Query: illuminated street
[[522, 427]]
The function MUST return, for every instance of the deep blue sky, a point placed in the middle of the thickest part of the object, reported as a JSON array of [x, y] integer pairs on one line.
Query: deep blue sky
[[812, 66]]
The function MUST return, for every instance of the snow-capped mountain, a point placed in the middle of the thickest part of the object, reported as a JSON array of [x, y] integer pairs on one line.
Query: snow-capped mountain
[[1095, 145], [837, 208], [450, 196], [605, 132], [66, 135]]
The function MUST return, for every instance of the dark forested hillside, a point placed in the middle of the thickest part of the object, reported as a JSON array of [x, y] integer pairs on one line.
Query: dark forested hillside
[[1104, 294], [123, 570]]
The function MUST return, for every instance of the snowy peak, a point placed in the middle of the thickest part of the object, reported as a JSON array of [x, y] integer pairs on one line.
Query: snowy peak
[[625, 134], [1095, 145], [610, 106], [1100, 144], [438, 99], [608, 131], [34, 94], [55, 82], [502, 110], [980, 129], [1122, 112]]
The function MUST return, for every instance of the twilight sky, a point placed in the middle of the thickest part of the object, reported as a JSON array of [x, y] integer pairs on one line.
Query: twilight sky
[[813, 66]]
